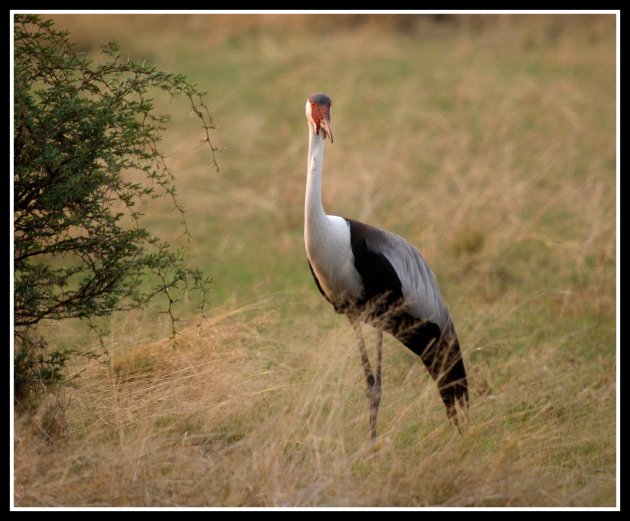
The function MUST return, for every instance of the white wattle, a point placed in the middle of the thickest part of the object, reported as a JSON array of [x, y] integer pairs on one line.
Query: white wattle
[[327, 237]]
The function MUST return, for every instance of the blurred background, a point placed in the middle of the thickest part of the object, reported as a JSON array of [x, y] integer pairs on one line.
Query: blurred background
[[421, 103]]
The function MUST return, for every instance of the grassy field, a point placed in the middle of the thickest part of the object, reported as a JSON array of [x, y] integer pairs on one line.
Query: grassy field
[[487, 142]]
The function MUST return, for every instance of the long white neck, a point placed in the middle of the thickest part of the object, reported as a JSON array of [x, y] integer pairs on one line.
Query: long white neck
[[327, 237], [314, 215]]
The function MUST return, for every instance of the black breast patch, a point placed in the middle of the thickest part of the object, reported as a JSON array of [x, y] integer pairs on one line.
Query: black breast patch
[[381, 285]]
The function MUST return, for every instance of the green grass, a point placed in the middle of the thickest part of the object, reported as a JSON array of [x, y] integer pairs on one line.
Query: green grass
[[488, 144]]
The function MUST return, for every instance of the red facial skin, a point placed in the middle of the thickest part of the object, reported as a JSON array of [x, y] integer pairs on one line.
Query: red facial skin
[[321, 117]]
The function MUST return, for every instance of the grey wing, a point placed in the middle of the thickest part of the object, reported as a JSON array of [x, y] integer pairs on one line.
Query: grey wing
[[421, 293], [395, 263]]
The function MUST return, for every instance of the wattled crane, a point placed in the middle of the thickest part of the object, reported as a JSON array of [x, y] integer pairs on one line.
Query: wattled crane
[[375, 276]]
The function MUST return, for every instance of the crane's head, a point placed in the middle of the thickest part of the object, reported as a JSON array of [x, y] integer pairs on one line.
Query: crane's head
[[318, 114]]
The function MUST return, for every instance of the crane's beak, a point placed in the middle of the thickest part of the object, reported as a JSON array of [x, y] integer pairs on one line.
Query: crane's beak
[[325, 126], [319, 116]]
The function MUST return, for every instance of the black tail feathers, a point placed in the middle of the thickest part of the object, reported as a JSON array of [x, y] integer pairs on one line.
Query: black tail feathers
[[444, 362], [442, 357]]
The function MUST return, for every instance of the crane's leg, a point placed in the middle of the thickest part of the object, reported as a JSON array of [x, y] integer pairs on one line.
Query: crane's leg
[[374, 393], [373, 390]]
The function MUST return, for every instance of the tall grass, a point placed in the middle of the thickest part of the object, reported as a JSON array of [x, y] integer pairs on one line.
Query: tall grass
[[488, 143], [246, 412]]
